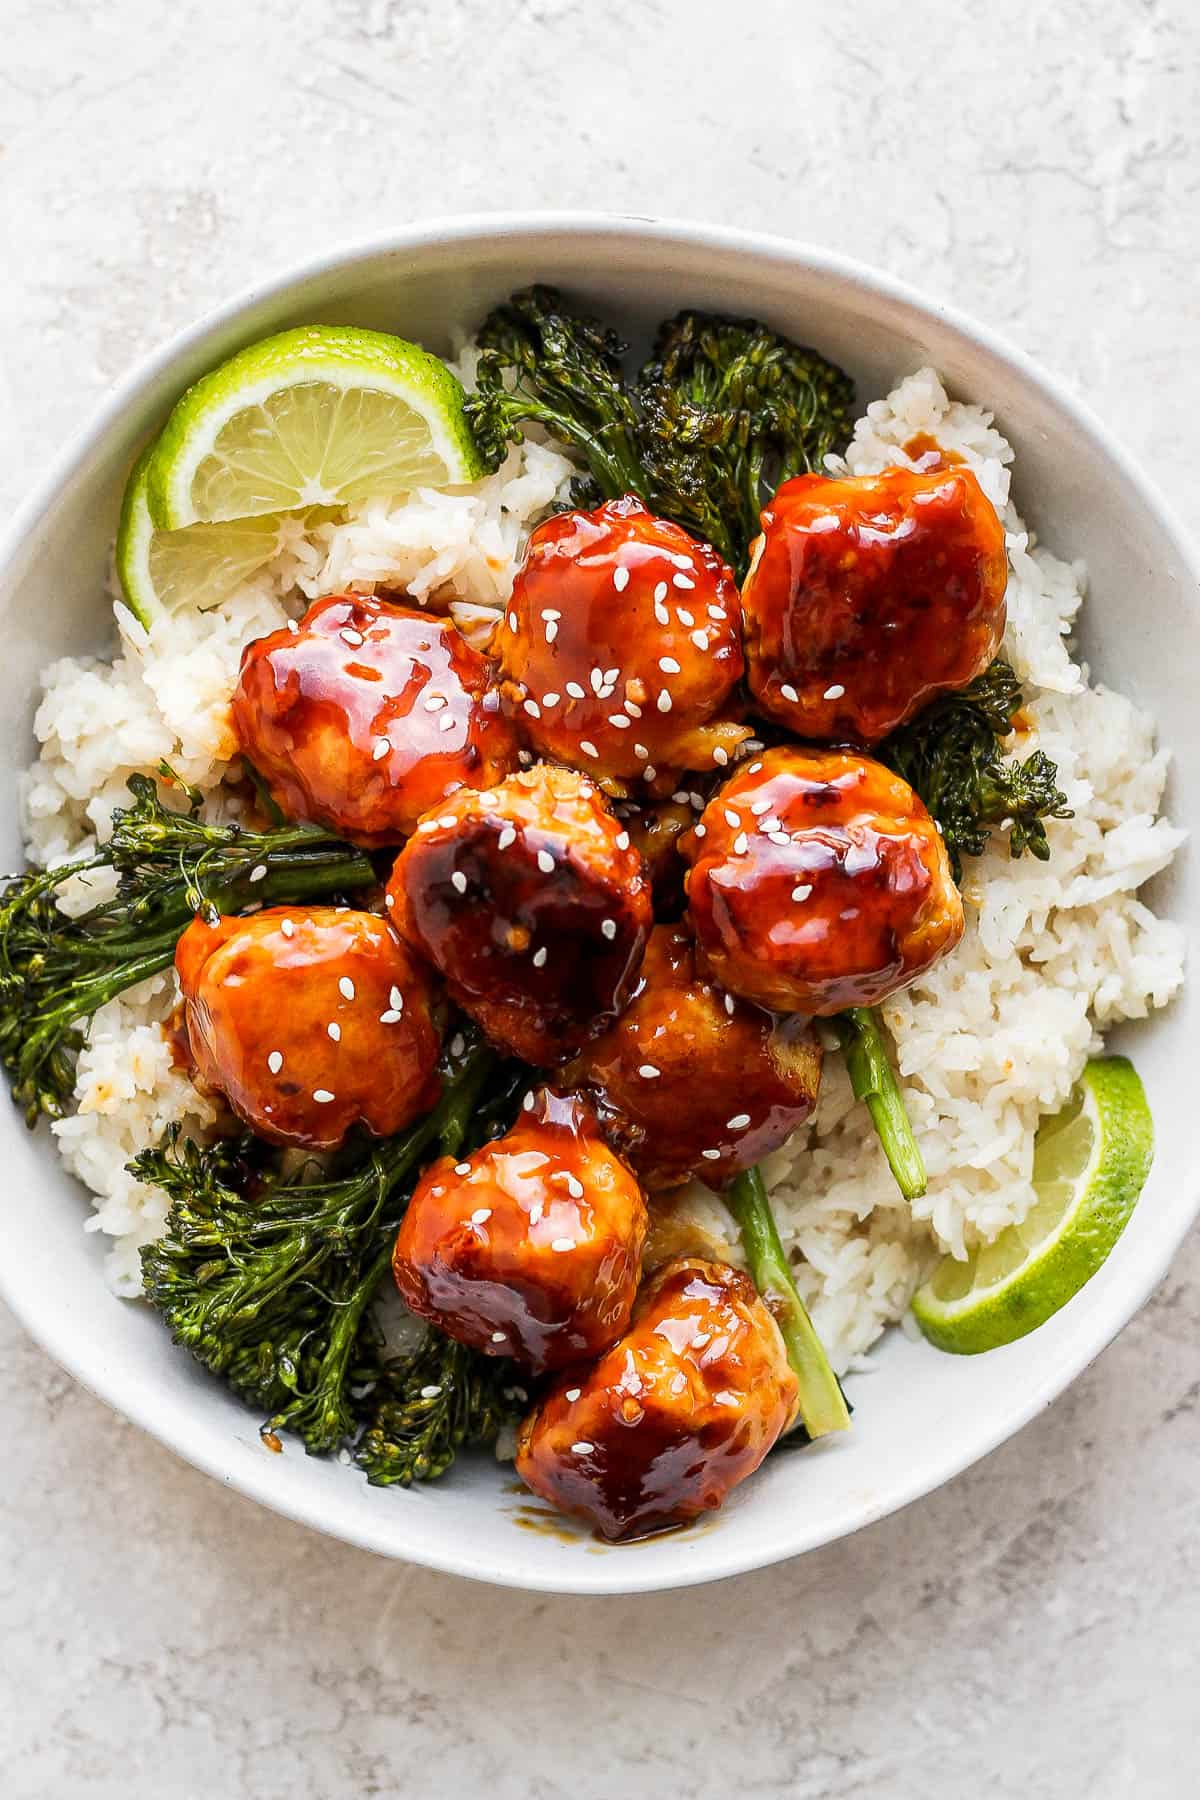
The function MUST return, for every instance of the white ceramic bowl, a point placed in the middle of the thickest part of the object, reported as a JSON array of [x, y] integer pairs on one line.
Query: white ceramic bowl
[[922, 1416]]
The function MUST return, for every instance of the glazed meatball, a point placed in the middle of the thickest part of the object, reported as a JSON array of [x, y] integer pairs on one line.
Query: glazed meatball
[[530, 1247], [869, 595], [366, 715], [533, 904], [818, 881], [674, 1416], [309, 1020], [621, 645], [691, 1081]]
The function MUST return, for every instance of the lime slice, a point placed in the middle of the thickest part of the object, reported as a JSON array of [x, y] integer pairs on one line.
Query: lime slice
[[1089, 1166], [325, 416], [164, 571]]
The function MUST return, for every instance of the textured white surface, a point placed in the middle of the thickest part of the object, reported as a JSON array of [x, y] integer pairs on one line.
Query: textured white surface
[[1032, 1630]]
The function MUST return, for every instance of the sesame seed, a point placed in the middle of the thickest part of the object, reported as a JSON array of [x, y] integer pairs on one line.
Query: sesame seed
[[322, 1096], [711, 1155], [287, 928], [588, 748], [720, 755], [632, 708], [562, 1244], [681, 561], [700, 830], [620, 721], [759, 807], [700, 639], [606, 690], [730, 1005], [458, 882], [610, 675], [447, 821], [740, 844], [391, 1017], [550, 699], [431, 1392], [661, 591], [572, 1393], [389, 900], [678, 1382], [681, 796], [575, 691], [803, 891], [275, 1062], [545, 862], [789, 693], [434, 702], [779, 837], [396, 999], [717, 613], [350, 636], [683, 581], [481, 1215], [259, 872], [334, 1030], [754, 768], [697, 801], [622, 840], [539, 957], [668, 665], [574, 1187], [583, 1448], [381, 749], [621, 579], [738, 1121], [458, 1044], [551, 613], [835, 692], [641, 752], [662, 616], [527, 1102], [533, 709], [664, 702], [346, 988], [428, 825], [497, 1337], [648, 1072], [512, 621], [551, 632], [292, 625], [507, 836], [731, 818], [596, 677], [684, 617], [649, 772], [608, 929], [446, 722], [462, 1168]]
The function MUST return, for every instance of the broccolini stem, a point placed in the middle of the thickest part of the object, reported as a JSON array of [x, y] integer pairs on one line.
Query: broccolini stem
[[874, 1080], [822, 1404]]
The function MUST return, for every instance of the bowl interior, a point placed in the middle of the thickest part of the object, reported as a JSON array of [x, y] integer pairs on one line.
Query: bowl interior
[[920, 1417]]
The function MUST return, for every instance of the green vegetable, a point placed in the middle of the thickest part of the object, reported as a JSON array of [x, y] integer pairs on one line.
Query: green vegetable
[[873, 1080], [822, 1404], [952, 755], [269, 1283], [723, 411], [55, 972]]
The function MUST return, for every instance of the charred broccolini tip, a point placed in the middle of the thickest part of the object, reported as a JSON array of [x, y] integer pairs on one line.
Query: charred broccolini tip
[[56, 971], [952, 755], [542, 364], [269, 1282], [724, 410], [730, 410]]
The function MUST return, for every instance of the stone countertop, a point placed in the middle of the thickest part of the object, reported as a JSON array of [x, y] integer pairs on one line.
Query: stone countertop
[[1031, 1630]]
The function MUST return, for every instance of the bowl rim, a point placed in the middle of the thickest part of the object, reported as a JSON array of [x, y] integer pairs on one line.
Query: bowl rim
[[435, 234]]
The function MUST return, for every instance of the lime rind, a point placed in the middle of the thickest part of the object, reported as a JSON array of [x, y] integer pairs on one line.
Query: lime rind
[[200, 567], [1008, 1288], [257, 403]]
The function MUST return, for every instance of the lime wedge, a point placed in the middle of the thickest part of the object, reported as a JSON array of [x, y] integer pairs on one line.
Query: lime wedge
[[1089, 1166], [325, 415], [164, 571]]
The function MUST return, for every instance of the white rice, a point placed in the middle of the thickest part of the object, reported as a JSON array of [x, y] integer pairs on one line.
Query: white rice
[[991, 1040]]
